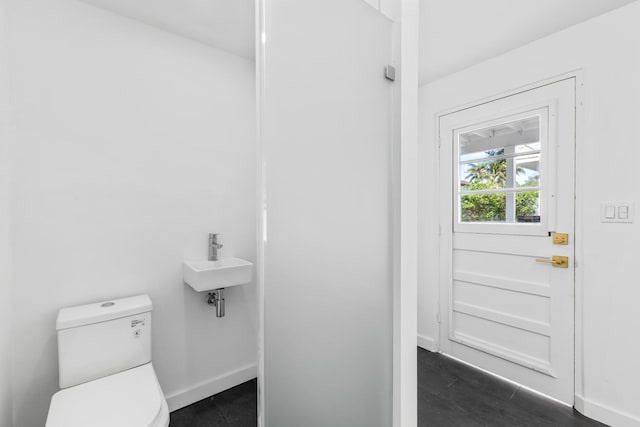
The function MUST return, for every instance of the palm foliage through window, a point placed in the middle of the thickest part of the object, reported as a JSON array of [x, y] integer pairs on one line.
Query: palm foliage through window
[[492, 206]]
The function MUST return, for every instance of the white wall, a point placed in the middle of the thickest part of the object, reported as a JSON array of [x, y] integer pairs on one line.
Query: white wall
[[130, 145], [390, 8], [606, 48], [5, 290]]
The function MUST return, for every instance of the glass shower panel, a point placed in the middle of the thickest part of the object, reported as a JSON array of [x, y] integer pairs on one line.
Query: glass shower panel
[[326, 111]]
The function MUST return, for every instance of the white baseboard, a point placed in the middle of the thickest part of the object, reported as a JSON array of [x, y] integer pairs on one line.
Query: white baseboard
[[427, 343], [202, 390], [605, 414]]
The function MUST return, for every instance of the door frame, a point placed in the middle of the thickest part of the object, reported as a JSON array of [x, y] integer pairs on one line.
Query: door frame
[[445, 239]]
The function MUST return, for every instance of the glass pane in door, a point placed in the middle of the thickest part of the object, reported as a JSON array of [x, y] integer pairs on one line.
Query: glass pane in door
[[499, 172]]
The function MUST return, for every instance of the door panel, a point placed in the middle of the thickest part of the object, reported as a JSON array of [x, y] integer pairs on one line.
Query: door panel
[[326, 145], [507, 183]]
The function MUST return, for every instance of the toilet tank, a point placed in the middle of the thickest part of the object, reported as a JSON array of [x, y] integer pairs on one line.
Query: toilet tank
[[97, 340]]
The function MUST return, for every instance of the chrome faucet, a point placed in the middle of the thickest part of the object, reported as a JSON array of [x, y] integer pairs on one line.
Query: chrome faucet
[[213, 247]]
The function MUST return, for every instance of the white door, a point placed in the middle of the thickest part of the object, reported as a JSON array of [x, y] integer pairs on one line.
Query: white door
[[507, 192]]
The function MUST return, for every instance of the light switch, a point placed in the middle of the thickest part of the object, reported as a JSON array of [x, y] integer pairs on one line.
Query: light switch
[[610, 211], [616, 212], [623, 212]]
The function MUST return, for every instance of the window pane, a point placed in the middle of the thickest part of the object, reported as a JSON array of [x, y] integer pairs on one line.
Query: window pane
[[528, 171], [483, 207], [494, 160], [493, 207], [483, 175], [528, 206], [520, 136], [476, 156]]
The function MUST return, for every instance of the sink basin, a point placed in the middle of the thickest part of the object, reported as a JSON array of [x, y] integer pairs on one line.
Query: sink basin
[[205, 276]]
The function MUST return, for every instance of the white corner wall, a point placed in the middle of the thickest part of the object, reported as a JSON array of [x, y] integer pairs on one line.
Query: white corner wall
[[130, 145], [389, 8], [607, 293], [5, 290]]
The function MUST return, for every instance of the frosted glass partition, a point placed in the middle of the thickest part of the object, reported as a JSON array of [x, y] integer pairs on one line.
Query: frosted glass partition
[[326, 152]]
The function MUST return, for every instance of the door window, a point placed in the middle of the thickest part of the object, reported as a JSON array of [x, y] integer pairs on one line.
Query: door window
[[499, 173]]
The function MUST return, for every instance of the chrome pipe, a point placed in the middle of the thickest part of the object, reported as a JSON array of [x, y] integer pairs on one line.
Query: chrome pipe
[[216, 298]]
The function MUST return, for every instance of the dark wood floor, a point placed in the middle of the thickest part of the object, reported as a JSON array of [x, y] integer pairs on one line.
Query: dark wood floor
[[236, 407], [450, 394]]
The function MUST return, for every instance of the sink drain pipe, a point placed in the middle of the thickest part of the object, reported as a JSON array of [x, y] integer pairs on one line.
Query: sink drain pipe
[[216, 298]]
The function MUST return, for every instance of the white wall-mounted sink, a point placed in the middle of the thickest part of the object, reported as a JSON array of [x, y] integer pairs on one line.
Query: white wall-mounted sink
[[205, 276]]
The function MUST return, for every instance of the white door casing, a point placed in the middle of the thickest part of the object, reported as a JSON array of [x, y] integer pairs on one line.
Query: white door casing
[[500, 309]]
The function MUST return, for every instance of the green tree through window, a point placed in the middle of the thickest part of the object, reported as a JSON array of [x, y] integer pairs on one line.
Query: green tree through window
[[492, 207]]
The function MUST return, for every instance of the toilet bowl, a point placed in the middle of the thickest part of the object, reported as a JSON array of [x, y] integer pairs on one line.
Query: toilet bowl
[[130, 398], [106, 374]]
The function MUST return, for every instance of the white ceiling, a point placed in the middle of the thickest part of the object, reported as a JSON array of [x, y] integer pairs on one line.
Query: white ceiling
[[455, 34]]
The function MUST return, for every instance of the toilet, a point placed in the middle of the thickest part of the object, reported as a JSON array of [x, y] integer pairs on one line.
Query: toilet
[[104, 361]]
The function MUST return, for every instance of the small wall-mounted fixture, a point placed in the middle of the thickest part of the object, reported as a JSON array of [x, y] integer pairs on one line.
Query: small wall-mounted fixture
[[216, 274], [390, 73]]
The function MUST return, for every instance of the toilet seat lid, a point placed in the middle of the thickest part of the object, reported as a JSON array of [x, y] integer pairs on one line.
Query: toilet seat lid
[[132, 398]]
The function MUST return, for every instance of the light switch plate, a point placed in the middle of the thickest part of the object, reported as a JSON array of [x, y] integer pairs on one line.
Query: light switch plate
[[621, 212]]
